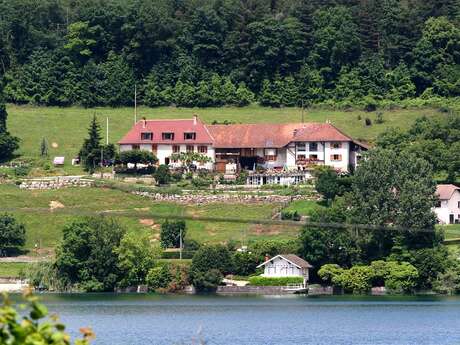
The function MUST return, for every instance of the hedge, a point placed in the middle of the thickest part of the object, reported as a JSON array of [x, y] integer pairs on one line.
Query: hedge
[[265, 281]]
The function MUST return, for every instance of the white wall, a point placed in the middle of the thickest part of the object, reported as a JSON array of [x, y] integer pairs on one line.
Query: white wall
[[344, 151], [447, 208], [281, 268]]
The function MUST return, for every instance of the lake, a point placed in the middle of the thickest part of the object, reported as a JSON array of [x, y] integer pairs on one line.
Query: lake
[[260, 320]]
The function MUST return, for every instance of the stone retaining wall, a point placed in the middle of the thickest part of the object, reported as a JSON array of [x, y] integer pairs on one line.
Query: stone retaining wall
[[220, 198], [56, 182]]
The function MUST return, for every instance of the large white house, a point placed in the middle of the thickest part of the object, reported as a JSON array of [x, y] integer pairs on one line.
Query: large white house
[[280, 148], [448, 207], [286, 265]]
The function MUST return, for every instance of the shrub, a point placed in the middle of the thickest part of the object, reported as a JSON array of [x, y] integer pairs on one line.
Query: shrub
[[329, 273], [290, 215], [22, 170], [368, 121], [244, 263], [12, 233], [379, 118], [23, 326], [162, 175], [356, 279], [159, 277], [401, 277], [266, 281], [208, 280]]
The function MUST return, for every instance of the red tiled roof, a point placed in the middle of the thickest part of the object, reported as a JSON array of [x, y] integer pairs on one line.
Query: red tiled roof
[[272, 135], [445, 191], [178, 127]]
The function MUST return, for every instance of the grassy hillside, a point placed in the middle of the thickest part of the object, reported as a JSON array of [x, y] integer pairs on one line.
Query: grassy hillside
[[67, 127], [46, 212]]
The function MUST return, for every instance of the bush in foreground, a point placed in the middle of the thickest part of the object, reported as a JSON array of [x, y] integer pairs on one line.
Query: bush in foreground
[[28, 329]]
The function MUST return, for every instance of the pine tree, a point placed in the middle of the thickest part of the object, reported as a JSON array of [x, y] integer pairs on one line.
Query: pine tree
[[44, 147], [8, 143], [91, 150]]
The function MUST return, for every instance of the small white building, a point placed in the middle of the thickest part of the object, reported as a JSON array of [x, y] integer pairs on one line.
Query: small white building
[[448, 207], [286, 265]]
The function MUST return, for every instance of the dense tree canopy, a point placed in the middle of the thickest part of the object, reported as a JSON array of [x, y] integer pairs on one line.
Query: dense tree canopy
[[204, 53]]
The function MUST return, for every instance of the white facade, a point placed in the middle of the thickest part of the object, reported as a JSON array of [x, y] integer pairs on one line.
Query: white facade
[[338, 155], [280, 267], [448, 210]]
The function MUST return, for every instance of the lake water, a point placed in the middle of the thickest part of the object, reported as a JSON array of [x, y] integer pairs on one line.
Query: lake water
[[261, 320]]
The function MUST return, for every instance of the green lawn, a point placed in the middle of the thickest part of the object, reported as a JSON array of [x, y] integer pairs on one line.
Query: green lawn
[[11, 269], [304, 207], [44, 226], [451, 231], [67, 127]]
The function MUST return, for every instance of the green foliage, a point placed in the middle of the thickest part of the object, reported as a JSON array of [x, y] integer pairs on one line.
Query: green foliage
[[86, 256], [44, 147], [290, 215], [43, 275], [395, 276], [168, 277], [394, 188], [268, 281], [90, 151], [12, 233], [187, 159], [136, 256], [162, 175], [244, 263], [209, 264], [28, 327], [171, 232], [283, 52], [137, 157], [8, 143], [260, 248], [206, 280]]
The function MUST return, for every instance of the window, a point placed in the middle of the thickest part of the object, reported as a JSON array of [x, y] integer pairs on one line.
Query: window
[[313, 157], [336, 145], [270, 154], [190, 136], [135, 147], [167, 136], [300, 146], [176, 148], [458, 204], [202, 149], [313, 147], [336, 158], [190, 148], [147, 136], [301, 157]]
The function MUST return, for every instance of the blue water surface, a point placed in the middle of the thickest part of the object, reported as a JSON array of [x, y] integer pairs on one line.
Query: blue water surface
[[260, 320]]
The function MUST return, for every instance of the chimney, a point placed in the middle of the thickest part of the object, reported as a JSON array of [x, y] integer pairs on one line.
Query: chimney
[[195, 119], [144, 122], [267, 257]]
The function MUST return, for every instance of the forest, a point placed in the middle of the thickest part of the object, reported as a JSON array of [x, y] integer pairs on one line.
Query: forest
[[228, 52]]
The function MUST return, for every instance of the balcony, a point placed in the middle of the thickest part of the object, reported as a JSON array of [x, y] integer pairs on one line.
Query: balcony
[[309, 162]]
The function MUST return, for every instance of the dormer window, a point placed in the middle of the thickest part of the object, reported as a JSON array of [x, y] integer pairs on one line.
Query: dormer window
[[189, 136], [147, 136], [336, 145], [167, 136]]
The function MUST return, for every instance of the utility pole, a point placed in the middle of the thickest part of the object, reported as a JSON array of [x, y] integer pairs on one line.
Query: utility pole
[[135, 103], [180, 244], [102, 162], [107, 131]]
